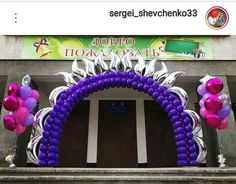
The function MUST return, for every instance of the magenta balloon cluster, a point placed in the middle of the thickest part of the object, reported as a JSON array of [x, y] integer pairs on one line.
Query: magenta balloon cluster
[[214, 104], [20, 102]]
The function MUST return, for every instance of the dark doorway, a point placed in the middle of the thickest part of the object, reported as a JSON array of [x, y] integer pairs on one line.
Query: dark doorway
[[161, 149], [117, 142], [74, 138]]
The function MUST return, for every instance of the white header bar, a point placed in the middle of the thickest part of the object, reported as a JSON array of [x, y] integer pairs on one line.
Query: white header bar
[[116, 18]]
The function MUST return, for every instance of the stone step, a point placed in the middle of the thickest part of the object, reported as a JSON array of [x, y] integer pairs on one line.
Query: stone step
[[188, 171], [126, 176]]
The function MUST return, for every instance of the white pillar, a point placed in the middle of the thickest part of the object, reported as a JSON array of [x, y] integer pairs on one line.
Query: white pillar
[[93, 132], [141, 132]]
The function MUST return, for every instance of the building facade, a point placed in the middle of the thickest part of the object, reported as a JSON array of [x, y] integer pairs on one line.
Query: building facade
[[119, 127]]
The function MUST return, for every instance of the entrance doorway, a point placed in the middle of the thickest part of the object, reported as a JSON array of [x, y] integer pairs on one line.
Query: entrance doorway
[[117, 141], [161, 149], [74, 138], [117, 144]]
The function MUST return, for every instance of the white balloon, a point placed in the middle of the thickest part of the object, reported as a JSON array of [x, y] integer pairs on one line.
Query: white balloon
[[26, 80], [225, 98], [205, 79]]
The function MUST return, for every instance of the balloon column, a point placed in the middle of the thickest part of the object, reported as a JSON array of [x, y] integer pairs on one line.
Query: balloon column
[[214, 104], [21, 100]]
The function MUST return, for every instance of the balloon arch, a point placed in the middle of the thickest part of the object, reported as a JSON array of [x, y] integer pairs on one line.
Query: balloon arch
[[43, 149]]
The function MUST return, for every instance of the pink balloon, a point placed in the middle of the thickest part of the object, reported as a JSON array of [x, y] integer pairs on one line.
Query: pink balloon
[[20, 129], [214, 85], [21, 114], [10, 103], [204, 112], [213, 104], [13, 89], [224, 124], [35, 94], [212, 120], [21, 102], [9, 122]]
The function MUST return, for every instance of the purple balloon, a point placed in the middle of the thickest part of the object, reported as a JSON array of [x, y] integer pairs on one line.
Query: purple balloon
[[181, 149], [201, 103], [29, 120], [43, 163], [224, 112], [182, 156], [181, 143], [182, 163], [193, 156], [202, 89], [30, 103], [25, 92], [206, 96], [52, 163]]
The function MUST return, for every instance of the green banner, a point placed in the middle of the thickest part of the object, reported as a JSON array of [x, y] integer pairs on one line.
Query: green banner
[[70, 47]]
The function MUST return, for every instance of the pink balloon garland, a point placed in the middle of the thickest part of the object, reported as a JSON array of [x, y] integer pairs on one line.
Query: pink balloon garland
[[21, 101], [214, 104]]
